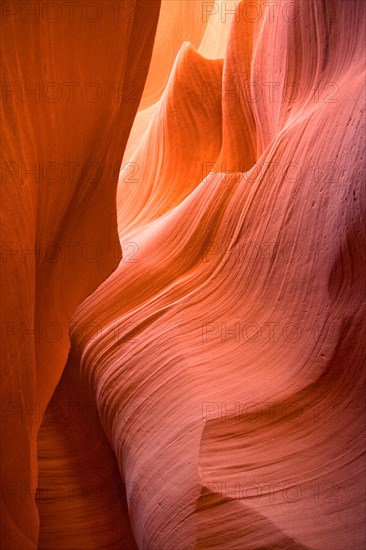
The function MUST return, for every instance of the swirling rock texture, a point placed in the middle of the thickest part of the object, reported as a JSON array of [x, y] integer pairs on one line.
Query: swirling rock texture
[[212, 396]]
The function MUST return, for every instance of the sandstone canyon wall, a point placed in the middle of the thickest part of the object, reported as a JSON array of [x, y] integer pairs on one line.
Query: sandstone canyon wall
[[68, 107], [212, 396]]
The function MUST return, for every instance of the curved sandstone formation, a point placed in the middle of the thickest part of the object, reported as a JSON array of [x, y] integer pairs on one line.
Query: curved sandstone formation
[[212, 397], [226, 354], [176, 167], [179, 21]]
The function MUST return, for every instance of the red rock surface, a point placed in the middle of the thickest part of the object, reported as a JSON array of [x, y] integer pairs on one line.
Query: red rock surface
[[72, 131], [218, 372]]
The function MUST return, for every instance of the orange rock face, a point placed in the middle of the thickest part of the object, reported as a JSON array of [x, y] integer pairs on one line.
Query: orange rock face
[[72, 78], [213, 393]]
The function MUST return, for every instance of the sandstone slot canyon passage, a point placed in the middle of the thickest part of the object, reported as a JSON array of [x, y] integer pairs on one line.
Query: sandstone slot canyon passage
[[183, 275]]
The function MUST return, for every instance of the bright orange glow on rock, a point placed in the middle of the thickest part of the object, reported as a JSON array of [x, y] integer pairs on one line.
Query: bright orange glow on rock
[[183, 275]]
